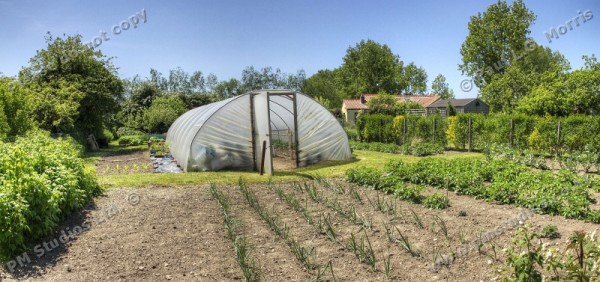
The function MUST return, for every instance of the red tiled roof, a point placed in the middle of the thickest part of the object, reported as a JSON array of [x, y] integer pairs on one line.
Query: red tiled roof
[[424, 100], [354, 104]]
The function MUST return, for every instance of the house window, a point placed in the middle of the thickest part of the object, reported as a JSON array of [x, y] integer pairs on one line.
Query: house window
[[477, 104]]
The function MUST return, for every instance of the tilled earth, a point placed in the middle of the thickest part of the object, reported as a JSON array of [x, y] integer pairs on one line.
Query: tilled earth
[[177, 233]]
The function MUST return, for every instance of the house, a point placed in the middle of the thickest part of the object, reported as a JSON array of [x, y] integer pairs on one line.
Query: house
[[468, 105], [351, 107]]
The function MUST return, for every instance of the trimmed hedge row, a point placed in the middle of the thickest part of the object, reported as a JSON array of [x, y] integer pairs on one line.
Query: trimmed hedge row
[[575, 133]]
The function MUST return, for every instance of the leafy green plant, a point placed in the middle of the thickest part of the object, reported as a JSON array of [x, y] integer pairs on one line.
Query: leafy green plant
[[43, 179], [550, 231], [436, 201]]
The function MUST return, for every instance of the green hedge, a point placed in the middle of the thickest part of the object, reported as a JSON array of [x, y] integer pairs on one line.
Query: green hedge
[[43, 180], [546, 135]]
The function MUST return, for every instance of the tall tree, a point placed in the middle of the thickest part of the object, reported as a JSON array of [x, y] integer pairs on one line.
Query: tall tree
[[415, 79], [84, 77], [369, 67], [496, 39], [439, 87], [322, 85]]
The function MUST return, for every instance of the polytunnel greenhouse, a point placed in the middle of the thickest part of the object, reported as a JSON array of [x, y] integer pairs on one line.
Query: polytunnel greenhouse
[[255, 130]]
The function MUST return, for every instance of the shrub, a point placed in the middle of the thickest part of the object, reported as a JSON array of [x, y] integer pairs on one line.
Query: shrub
[[128, 131], [132, 140], [550, 231], [43, 180]]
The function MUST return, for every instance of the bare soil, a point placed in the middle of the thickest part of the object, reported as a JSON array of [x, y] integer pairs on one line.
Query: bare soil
[[133, 162], [177, 233]]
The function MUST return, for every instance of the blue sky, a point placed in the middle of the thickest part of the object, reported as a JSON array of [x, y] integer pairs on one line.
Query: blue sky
[[223, 37]]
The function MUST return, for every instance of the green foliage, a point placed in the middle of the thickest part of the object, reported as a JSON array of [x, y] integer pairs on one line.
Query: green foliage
[[162, 113], [550, 231], [75, 89], [439, 87], [375, 127], [15, 109], [495, 35], [530, 260], [524, 258], [366, 176], [322, 84], [43, 180], [436, 201], [132, 140]]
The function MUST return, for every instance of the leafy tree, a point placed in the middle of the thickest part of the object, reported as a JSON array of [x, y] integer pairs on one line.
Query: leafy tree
[[266, 78], [496, 39], [15, 109], [56, 105], [322, 84], [505, 91], [384, 103], [369, 67], [162, 113], [415, 79], [439, 87], [75, 88], [229, 88], [591, 62]]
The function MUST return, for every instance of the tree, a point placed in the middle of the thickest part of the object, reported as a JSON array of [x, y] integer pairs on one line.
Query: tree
[[496, 39], [505, 91], [15, 109], [322, 84], [591, 62], [382, 103], [369, 67], [229, 88], [415, 79], [70, 81], [266, 78], [162, 113], [439, 87]]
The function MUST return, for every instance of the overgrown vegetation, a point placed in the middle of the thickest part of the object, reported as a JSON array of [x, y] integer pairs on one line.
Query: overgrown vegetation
[[43, 181]]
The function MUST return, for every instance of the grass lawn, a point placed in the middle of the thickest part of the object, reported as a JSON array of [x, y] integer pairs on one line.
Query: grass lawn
[[326, 169]]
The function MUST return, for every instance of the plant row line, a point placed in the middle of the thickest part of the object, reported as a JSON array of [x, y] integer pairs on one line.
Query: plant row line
[[563, 193]]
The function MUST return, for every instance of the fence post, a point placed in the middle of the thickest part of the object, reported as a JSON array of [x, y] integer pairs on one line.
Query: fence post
[[470, 135]]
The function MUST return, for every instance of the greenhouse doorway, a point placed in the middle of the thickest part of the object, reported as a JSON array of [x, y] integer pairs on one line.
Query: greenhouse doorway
[[274, 130]]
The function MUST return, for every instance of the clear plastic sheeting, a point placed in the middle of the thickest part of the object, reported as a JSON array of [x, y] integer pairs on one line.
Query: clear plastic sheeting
[[165, 164], [229, 134]]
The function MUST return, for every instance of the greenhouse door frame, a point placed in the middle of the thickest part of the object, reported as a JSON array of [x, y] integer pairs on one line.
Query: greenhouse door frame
[[262, 133]]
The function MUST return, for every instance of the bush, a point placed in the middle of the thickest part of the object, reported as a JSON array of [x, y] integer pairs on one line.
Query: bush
[[132, 140], [128, 131], [426, 149], [43, 180]]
